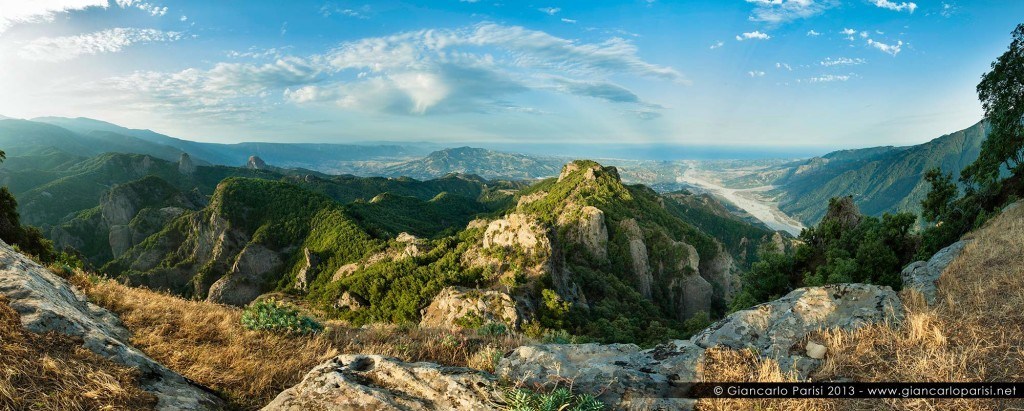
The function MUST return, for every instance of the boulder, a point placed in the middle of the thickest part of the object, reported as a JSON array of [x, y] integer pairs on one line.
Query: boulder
[[776, 329], [455, 305], [351, 302], [47, 303], [923, 275], [373, 382], [621, 375]]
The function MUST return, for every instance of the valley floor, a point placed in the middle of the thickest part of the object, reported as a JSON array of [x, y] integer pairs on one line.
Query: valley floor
[[752, 200]]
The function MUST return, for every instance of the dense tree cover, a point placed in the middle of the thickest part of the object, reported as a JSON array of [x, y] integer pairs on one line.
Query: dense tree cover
[[845, 247], [1001, 92], [29, 239], [950, 214]]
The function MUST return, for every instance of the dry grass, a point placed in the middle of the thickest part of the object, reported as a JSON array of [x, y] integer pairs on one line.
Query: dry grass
[[974, 333], [53, 372], [206, 343]]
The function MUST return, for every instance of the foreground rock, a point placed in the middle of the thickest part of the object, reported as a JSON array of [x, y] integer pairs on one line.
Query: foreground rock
[[373, 382], [924, 275], [621, 375], [625, 377], [777, 329], [46, 302]]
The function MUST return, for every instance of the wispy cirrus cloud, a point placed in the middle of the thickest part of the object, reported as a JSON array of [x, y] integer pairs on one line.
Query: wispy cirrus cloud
[[784, 11], [104, 41], [828, 78], [479, 69]]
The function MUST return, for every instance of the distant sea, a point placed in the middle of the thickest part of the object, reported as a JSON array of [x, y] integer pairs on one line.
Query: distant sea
[[658, 152]]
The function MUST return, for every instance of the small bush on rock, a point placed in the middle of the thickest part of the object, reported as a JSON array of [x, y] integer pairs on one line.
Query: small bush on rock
[[272, 315]]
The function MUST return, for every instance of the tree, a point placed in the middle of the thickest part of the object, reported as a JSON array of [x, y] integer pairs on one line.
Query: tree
[[940, 198], [1001, 92], [3, 156]]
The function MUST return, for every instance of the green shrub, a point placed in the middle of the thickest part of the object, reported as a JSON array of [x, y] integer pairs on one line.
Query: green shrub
[[556, 400], [272, 315], [492, 329]]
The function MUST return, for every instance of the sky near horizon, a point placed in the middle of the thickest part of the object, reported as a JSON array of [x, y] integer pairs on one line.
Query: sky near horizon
[[801, 73]]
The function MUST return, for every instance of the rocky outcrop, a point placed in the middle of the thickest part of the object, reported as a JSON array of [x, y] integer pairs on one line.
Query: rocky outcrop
[[642, 276], [350, 302], [589, 230], [244, 282], [621, 375], [776, 329], [923, 276], [720, 271], [185, 164], [692, 294], [372, 382], [47, 303], [626, 377], [517, 231], [307, 273], [256, 163], [457, 306], [843, 211]]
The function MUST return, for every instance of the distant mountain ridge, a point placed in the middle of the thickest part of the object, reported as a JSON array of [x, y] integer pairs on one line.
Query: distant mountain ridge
[[305, 155], [881, 179], [488, 164]]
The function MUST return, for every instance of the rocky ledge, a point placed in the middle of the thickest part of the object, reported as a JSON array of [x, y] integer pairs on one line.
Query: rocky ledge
[[47, 302], [622, 375]]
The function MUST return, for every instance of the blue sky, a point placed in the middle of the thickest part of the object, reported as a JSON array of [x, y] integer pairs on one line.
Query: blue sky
[[800, 73]]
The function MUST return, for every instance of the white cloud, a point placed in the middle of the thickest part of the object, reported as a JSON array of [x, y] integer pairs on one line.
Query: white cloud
[[849, 33], [16, 12], [330, 8], [812, 33], [228, 91], [784, 11], [892, 49], [842, 61], [718, 44], [473, 69], [783, 66], [183, 18], [756, 35], [755, 73], [570, 21], [105, 41], [153, 9], [948, 9], [886, 4], [828, 78], [551, 11]]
